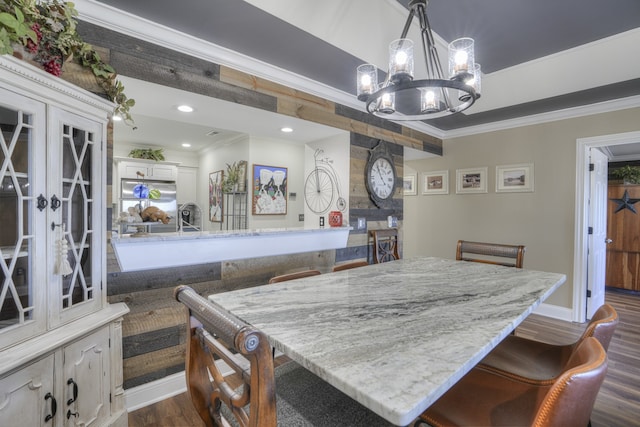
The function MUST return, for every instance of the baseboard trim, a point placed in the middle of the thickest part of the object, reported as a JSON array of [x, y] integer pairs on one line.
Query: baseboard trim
[[555, 312], [164, 388], [153, 392]]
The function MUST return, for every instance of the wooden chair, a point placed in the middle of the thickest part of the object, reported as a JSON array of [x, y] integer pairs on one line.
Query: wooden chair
[[490, 253], [349, 265], [483, 398], [385, 245], [539, 362], [292, 276], [231, 378]]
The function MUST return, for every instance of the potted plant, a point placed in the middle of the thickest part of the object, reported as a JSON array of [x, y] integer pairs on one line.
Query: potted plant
[[44, 33], [230, 183], [147, 153], [628, 174]]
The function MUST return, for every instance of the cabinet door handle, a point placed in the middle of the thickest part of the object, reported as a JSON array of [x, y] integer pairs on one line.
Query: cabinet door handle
[[54, 407], [55, 203], [42, 202], [75, 391]]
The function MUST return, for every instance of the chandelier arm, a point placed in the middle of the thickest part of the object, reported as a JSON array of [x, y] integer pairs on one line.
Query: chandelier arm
[[432, 59], [407, 24]]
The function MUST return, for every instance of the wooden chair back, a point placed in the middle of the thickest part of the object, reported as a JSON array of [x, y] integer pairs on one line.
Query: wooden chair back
[[385, 245], [292, 276], [215, 336], [349, 265], [491, 253]]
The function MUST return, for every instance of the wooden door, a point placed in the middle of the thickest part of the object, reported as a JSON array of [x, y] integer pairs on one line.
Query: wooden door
[[623, 253]]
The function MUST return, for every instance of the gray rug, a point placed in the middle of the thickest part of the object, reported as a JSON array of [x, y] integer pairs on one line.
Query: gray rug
[[305, 400]]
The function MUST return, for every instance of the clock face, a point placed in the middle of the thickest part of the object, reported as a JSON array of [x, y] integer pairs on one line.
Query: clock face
[[382, 178]]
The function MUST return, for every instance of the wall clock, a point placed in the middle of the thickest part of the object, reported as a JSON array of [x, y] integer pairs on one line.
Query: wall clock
[[380, 175]]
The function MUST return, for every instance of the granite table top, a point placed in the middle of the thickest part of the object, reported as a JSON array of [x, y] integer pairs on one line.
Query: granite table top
[[394, 336]]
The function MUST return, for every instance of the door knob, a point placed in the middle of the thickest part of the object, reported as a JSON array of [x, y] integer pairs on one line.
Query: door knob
[[608, 241]]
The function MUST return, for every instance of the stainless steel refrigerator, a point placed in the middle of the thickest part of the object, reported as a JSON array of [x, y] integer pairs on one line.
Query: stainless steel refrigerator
[[137, 193]]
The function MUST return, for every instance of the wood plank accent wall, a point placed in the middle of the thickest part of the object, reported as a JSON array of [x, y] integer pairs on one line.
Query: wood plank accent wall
[[154, 330]]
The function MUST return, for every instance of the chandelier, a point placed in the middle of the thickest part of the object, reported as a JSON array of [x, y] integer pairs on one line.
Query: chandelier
[[400, 97]]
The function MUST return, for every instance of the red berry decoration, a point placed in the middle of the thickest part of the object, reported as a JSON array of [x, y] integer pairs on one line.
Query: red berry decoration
[[53, 67]]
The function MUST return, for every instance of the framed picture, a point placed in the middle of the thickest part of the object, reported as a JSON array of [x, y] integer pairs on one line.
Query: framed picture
[[242, 176], [269, 190], [215, 196], [435, 182], [409, 185], [471, 180], [514, 178]]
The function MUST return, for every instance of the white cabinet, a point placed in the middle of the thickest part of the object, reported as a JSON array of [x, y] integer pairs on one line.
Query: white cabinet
[[55, 323], [187, 185], [159, 171]]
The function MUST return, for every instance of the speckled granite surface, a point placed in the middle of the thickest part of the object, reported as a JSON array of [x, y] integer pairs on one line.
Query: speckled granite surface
[[394, 336]]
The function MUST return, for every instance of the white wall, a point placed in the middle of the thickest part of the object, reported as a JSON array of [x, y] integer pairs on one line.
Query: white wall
[[280, 153], [214, 159], [542, 220], [336, 149]]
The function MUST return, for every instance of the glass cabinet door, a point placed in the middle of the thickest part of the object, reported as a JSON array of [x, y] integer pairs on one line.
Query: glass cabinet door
[[76, 172], [22, 213]]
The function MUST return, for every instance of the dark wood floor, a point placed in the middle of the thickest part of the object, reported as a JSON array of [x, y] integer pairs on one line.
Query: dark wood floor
[[618, 403]]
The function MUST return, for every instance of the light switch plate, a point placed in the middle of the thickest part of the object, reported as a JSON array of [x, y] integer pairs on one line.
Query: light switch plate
[[392, 221], [362, 223]]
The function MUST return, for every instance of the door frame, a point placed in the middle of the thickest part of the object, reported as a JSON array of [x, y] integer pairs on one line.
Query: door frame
[[580, 253]]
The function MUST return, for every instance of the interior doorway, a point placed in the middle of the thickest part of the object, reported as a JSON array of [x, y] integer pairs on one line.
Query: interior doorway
[[584, 263]]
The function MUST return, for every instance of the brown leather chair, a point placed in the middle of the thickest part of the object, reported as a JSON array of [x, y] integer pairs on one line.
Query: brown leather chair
[[483, 398], [349, 265], [385, 245], [231, 378], [539, 362], [292, 276], [491, 253]]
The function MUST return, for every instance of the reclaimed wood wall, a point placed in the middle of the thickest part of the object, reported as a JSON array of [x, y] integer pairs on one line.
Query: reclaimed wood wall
[[154, 330]]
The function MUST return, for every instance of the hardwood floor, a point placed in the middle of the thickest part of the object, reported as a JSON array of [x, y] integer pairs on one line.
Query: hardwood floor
[[618, 403]]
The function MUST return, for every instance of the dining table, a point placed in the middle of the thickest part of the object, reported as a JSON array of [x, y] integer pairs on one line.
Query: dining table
[[394, 336]]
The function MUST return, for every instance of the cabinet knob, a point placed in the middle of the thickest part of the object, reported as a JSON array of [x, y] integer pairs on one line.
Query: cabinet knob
[[42, 202], [608, 241]]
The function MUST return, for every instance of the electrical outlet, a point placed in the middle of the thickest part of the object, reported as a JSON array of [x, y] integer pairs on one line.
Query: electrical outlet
[[392, 221], [321, 222], [300, 217]]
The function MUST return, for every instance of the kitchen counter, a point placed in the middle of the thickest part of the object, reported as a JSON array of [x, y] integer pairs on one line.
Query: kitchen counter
[[160, 250]]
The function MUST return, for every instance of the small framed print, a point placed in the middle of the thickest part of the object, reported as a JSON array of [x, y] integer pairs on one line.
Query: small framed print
[[514, 178], [409, 185], [471, 180], [435, 182]]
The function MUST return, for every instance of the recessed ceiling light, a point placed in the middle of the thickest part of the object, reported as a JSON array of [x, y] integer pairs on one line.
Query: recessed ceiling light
[[117, 118], [186, 145], [185, 108], [286, 130]]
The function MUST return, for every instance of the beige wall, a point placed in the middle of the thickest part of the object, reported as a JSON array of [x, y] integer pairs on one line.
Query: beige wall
[[542, 220]]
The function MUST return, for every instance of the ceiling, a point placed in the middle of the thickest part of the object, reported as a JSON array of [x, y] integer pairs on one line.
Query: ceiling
[[540, 59]]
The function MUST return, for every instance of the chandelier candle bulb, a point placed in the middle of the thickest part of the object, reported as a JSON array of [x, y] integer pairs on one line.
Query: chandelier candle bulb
[[401, 60], [461, 57], [387, 103], [367, 79], [430, 100]]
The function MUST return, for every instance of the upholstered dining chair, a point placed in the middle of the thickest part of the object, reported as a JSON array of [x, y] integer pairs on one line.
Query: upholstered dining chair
[[292, 276], [385, 245], [540, 362], [349, 265], [231, 378], [484, 398], [491, 253]]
